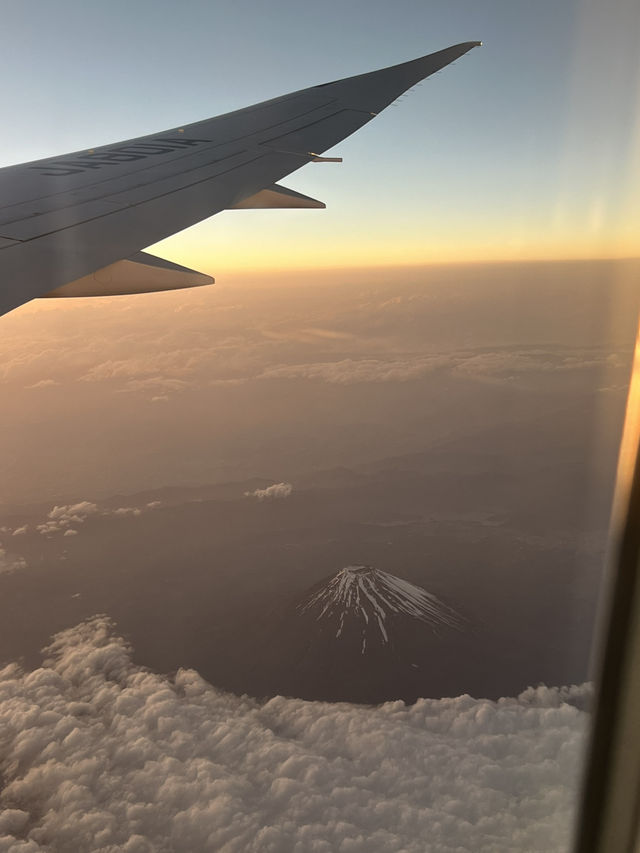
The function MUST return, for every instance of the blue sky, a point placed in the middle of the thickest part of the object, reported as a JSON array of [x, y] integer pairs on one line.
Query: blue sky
[[524, 148]]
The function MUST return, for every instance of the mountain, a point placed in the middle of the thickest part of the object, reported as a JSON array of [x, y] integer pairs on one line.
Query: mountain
[[363, 602], [365, 635]]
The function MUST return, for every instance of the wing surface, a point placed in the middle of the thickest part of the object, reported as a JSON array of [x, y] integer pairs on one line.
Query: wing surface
[[141, 273], [64, 218]]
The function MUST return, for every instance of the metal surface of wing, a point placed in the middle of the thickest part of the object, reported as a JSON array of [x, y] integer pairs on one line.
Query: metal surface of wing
[[63, 218], [142, 273], [277, 197]]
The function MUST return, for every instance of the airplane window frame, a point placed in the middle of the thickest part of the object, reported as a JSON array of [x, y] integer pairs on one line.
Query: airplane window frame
[[609, 813]]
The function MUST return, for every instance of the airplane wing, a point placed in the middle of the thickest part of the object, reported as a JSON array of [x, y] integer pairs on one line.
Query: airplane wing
[[76, 224]]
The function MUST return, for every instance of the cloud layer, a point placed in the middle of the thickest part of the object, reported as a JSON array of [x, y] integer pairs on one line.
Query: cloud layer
[[231, 374], [99, 754], [503, 366], [394, 331]]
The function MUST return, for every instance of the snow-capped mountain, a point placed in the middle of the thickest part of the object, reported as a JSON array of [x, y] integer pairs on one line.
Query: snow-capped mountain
[[365, 635], [373, 598]]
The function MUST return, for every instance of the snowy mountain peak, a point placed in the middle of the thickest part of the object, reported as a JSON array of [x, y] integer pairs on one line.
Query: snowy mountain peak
[[375, 598]]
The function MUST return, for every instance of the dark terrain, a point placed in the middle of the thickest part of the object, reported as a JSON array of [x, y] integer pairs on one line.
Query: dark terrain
[[208, 578]]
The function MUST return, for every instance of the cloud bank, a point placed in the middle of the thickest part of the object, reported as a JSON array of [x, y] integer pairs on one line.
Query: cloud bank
[[10, 562], [277, 490], [99, 754], [61, 518], [505, 365]]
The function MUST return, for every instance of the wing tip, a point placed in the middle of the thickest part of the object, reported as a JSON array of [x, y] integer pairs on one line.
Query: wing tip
[[375, 90]]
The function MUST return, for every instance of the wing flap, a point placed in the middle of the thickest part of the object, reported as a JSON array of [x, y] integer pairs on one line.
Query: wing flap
[[142, 273], [277, 197]]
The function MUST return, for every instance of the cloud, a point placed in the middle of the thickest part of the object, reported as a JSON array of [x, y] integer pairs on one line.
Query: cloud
[[158, 366], [43, 383], [100, 754], [349, 371], [155, 383], [228, 383], [70, 532], [277, 490], [613, 389], [73, 512], [20, 531], [500, 365], [506, 365], [385, 333], [10, 563], [309, 335], [61, 517]]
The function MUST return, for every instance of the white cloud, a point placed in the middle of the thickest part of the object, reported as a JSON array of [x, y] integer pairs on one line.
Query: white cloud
[[277, 490], [508, 365], [100, 754], [70, 532], [20, 531], [228, 383], [156, 383], [61, 517], [501, 366], [10, 562], [615, 389], [73, 511], [43, 383], [349, 371], [159, 366], [48, 527]]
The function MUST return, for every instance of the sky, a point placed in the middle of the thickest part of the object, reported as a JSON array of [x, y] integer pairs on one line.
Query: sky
[[525, 148]]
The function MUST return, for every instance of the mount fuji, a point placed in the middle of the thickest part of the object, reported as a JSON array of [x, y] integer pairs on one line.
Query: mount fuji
[[365, 635], [375, 603]]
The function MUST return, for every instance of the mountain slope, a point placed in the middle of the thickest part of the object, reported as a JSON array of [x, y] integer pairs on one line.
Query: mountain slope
[[374, 600], [365, 635]]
